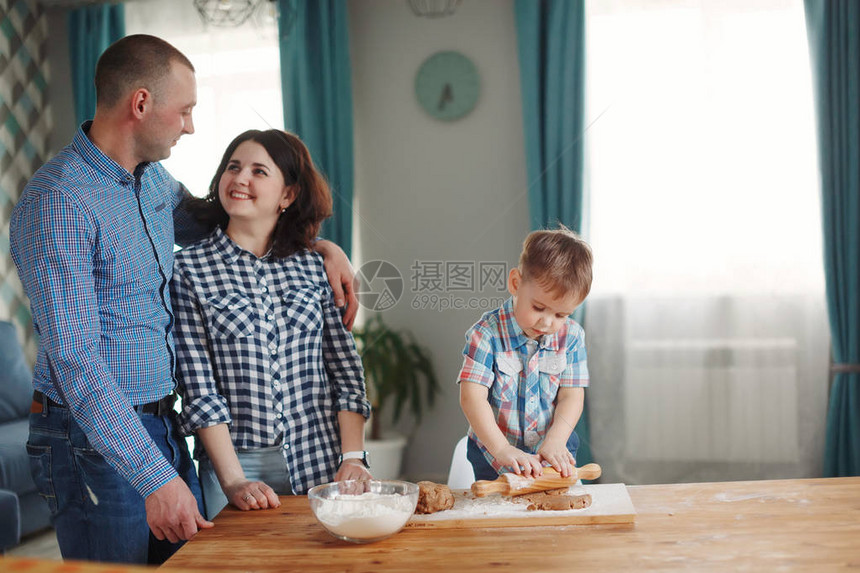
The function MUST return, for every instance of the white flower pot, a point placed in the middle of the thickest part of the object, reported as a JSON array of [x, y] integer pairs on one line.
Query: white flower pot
[[386, 456]]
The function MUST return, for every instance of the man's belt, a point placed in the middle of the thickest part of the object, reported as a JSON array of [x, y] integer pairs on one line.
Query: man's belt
[[157, 408]]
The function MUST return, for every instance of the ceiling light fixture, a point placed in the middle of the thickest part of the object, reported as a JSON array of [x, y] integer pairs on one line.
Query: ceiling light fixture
[[433, 8], [226, 13]]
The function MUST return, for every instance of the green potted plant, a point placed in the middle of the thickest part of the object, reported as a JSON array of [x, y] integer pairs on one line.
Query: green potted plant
[[399, 375]]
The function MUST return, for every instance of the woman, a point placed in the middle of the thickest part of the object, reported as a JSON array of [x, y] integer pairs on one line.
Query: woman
[[270, 379]]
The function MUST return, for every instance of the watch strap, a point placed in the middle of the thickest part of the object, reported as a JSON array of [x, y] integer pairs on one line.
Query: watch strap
[[355, 455]]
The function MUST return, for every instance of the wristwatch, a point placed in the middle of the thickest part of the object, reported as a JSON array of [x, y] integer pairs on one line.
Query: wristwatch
[[357, 455]]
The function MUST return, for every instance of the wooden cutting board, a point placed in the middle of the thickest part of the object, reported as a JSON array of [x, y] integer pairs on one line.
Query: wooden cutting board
[[610, 503]]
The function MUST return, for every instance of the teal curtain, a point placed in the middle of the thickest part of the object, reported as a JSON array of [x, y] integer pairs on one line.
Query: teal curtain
[[551, 41], [833, 29], [91, 30], [551, 38], [317, 92]]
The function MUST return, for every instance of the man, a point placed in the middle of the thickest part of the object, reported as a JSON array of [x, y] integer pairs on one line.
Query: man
[[92, 238]]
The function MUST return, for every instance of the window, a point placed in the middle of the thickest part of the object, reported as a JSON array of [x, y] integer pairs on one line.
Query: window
[[238, 82], [706, 319]]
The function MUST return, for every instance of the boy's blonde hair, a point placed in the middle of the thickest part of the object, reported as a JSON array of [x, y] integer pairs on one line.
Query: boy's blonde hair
[[559, 260]]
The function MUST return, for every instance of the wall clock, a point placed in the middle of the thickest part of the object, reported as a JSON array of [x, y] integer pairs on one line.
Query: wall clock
[[447, 85]]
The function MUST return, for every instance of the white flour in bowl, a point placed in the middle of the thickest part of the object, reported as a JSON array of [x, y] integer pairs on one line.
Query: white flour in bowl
[[350, 515]]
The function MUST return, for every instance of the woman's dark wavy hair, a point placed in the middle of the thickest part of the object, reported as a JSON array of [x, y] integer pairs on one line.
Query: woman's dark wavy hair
[[299, 225]]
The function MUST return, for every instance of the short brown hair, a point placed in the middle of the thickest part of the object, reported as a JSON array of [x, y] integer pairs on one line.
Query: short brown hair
[[136, 61], [559, 260], [299, 225]]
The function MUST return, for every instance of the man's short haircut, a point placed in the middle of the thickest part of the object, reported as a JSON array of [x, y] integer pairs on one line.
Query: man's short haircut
[[559, 260], [133, 62]]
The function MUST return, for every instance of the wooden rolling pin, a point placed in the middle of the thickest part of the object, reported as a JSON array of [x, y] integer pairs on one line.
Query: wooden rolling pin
[[513, 485]]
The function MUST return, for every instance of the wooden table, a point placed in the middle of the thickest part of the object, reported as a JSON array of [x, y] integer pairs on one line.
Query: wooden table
[[33, 565], [809, 524]]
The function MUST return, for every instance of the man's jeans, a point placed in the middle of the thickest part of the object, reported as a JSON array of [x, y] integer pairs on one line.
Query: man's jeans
[[97, 514], [485, 471]]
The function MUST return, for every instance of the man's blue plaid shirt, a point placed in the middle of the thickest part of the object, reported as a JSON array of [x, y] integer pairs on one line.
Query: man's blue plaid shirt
[[93, 245]]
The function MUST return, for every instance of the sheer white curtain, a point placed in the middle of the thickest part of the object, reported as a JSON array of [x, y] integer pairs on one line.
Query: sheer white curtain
[[238, 81], [707, 324]]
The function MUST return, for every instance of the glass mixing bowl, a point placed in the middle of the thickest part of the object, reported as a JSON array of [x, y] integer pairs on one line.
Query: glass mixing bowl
[[363, 511]]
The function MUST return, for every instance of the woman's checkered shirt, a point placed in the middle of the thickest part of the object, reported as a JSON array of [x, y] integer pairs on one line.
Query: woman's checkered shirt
[[261, 347]]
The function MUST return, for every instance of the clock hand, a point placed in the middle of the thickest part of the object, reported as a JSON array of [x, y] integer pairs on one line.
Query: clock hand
[[447, 96]]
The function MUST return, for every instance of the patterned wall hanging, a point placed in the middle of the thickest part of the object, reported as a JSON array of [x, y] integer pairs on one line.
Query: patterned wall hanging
[[25, 123]]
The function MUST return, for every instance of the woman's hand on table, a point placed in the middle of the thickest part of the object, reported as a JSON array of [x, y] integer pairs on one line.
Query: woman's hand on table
[[352, 469], [251, 495]]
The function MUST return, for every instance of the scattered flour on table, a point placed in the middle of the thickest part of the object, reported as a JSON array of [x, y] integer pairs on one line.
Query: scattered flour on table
[[762, 497], [495, 505], [365, 520], [609, 504]]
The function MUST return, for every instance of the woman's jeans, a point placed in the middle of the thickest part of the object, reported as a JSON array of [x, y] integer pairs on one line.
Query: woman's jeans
[[262, 464], [97, 514], [485, 471]]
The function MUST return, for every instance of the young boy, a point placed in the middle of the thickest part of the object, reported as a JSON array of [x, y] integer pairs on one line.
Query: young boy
[[524, 374]]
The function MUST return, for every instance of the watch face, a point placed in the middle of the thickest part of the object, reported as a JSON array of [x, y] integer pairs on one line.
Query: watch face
[[367, 460], [447, 85]]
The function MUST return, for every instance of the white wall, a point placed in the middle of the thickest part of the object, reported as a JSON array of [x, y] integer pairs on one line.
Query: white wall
[[62, 98], [434, 191]]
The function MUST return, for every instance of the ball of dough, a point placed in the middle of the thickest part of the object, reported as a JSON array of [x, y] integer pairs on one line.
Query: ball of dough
[[433, 497]]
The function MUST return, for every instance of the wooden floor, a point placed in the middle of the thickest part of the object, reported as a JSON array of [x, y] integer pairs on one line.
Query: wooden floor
[[41, 545]]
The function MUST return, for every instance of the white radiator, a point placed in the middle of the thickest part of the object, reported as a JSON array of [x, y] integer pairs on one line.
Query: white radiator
[[712, 400]]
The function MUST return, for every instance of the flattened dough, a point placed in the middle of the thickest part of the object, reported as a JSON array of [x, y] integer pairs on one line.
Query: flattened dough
[[554, 501]]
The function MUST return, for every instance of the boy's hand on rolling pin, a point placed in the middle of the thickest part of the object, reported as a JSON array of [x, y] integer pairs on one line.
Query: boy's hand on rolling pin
[[520, 462], [558, 456]]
